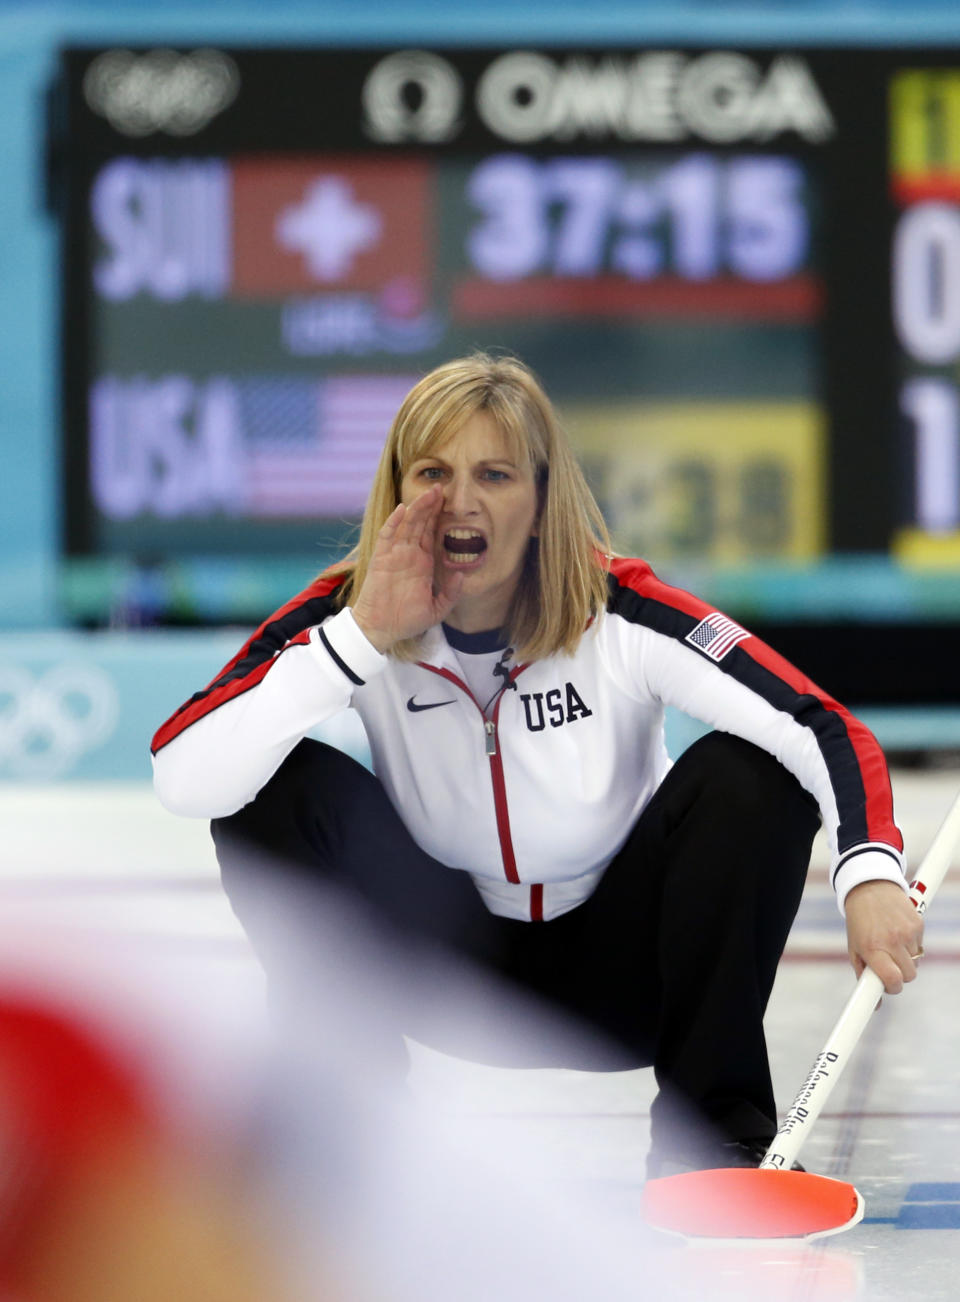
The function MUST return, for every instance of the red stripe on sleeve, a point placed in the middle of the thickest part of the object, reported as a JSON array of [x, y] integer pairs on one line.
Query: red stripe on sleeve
[[870, 760], [262, 651], [872, 766]]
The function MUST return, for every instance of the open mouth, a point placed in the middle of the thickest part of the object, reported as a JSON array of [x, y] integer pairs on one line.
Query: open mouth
[[463, 545]]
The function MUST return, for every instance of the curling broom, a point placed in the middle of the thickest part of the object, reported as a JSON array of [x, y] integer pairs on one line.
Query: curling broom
[[772, 1201]]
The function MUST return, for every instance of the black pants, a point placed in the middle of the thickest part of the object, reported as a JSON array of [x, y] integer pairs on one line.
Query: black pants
[[674, 955]]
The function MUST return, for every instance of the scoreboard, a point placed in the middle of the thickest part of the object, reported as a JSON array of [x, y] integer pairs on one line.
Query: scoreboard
[[925, 265], [737, 272]]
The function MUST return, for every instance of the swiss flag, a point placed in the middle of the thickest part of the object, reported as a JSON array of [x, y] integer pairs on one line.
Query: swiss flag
[[309, 224]]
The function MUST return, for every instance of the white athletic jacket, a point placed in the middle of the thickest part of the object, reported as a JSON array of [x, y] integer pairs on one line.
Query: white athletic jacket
[[535, 800]]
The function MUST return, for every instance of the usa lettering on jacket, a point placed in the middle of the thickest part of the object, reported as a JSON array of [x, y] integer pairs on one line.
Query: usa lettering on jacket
[[559, 710]]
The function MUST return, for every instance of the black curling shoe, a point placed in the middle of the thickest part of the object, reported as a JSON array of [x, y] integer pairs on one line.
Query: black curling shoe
[[732, 1152]]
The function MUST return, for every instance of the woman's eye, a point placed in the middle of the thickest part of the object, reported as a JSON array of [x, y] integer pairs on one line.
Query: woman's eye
[[431, 472], [496, 474]]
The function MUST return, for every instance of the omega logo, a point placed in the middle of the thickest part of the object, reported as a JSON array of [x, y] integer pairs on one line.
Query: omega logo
[[721, 96], [523, 96], [412, 95]]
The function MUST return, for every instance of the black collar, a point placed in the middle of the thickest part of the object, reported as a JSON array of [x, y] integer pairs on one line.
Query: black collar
[[491, 639]]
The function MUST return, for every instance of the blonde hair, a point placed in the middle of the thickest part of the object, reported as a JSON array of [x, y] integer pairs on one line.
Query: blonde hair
[[563, 584]]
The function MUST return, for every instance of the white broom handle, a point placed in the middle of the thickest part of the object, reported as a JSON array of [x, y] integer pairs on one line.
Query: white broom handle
[[850, 1025]]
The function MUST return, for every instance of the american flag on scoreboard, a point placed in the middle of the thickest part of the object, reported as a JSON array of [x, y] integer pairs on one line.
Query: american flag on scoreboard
[[716, 635], [312, 448]]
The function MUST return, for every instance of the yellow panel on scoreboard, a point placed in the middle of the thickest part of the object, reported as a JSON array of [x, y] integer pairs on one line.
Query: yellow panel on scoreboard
[[726, 482], [922, 550], [925, 129]]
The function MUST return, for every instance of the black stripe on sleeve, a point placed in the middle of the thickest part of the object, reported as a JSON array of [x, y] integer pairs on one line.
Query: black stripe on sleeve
[[286, 627], [833, 740], [270, 638], [807, 710], [338, 660], [638, 609], [864, 849]]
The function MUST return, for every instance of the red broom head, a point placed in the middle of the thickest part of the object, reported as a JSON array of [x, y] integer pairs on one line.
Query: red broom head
[[748, 1203]]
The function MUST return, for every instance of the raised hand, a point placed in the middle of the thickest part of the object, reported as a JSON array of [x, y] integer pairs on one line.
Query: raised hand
[[402, 596]]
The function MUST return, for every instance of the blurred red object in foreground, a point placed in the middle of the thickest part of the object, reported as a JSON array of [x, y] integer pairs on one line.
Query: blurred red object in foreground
[[100, 1197]]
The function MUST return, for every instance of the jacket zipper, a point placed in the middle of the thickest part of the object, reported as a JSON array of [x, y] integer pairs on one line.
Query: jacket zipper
[[500, 807], [500, 796]]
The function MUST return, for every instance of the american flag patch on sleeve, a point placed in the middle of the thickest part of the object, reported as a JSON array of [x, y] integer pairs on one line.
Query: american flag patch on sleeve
[[716, 635]]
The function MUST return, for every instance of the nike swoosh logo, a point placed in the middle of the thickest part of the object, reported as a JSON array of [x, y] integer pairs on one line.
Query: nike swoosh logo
[[432, 705]]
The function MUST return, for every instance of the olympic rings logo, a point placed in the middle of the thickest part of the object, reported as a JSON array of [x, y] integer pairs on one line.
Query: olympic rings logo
[[48, 722]]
